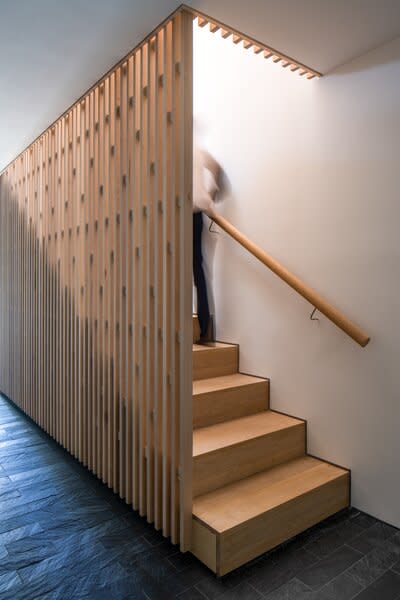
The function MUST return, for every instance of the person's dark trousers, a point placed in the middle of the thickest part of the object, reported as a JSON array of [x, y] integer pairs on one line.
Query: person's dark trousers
[[203, 311]]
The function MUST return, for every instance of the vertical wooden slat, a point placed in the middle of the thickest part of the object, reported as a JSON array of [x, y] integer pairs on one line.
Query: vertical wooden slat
[[95, 279], [185, 146], [143, 285], [159, 281], [69, 290], [91, 299], [105, 284], [137, 287], [116, 268], [100, 133], [129, 216], [176, 199], [111, 294], [169, 204], [151, 265], [63, 281], [89, 202], [103, 281], [123, 257]]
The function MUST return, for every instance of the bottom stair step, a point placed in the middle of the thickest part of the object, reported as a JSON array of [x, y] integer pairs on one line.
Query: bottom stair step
[[236, 523]]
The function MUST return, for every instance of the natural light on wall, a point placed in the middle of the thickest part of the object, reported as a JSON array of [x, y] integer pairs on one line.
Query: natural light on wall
[[256, 47], [255, 118], [237, 92]]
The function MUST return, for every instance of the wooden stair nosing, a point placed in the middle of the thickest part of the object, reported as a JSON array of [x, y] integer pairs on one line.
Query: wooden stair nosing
[[236, 431], [225, 382]]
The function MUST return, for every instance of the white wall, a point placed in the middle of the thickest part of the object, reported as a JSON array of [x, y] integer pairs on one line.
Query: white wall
[[315, 180]]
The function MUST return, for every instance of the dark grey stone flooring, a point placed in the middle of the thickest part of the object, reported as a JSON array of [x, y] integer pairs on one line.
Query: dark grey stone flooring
[[64, 535]]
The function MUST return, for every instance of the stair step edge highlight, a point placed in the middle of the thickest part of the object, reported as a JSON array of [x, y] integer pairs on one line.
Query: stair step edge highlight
[[237, 431]]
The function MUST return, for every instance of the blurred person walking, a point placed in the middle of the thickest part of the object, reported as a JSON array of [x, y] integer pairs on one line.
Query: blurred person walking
[[206, 173]]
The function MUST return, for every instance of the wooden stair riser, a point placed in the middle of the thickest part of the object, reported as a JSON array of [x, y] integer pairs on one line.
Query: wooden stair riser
[[196, 329], [217, 406], [215, 361], [270, 529], [218, 468], [204, 544]]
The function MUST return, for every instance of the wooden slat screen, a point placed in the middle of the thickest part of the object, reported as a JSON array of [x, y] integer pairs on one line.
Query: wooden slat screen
[[95, 289]]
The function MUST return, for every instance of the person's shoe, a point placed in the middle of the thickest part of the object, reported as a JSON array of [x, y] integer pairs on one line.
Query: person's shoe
[[208, 337], [204, 341]]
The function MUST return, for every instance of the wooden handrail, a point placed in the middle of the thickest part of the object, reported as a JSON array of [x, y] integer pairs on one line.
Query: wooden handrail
[[304, 290]]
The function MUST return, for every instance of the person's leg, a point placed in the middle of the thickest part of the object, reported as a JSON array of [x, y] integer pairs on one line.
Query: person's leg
[[203, 312]]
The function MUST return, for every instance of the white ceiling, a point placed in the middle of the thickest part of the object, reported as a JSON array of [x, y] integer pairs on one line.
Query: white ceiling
[[53, 50]]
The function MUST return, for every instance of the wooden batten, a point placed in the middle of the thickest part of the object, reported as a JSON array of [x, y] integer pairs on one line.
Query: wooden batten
[[237, 37], [95, 267]]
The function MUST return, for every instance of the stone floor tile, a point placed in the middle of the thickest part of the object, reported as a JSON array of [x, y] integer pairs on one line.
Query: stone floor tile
[[373, 537], [329, 567], [373, 565], [387, 587]]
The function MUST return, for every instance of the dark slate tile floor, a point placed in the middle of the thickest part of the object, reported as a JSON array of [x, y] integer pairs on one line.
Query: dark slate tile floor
[[64, 535]]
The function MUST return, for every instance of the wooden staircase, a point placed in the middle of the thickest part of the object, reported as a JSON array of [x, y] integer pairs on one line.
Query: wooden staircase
[[254, 485]]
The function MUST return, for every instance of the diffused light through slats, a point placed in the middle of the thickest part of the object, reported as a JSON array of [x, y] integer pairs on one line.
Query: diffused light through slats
[[248, 43]]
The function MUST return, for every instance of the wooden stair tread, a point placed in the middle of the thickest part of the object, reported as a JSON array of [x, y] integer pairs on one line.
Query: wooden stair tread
[[204, 386], [211, 346], [227, 507], [214, 437]]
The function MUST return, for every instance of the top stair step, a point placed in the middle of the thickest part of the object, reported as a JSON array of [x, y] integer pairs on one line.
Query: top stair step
[[214, 359]]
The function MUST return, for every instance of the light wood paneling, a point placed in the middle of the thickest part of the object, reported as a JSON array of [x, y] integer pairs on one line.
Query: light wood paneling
[[95, 266]]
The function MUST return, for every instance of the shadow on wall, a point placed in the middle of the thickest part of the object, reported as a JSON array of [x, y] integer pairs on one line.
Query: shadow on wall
[[376, 57], [58, 346]]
